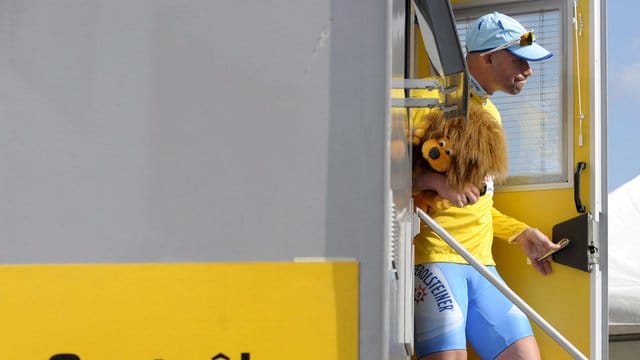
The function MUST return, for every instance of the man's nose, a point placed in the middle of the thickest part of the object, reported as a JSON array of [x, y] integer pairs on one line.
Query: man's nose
[[526, 69]]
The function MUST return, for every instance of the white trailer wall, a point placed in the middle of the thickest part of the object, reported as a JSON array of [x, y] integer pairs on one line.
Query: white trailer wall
[[196, 131]]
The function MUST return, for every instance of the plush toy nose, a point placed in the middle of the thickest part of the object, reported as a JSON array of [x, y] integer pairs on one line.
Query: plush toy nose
[[434, 153]]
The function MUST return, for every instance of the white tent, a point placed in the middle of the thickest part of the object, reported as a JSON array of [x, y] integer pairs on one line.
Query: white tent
[[624, 253]]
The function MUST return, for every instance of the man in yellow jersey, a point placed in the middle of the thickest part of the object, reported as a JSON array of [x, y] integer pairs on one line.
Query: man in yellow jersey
[[454, 304]]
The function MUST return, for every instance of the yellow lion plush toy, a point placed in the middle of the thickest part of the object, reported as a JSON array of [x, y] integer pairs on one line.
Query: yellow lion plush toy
[[465, 151]]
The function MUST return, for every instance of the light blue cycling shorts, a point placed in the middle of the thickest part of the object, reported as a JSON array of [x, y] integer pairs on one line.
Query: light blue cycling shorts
[[455, 304]]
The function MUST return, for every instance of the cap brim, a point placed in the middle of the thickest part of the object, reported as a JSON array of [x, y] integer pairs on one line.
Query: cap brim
[[533, 52]]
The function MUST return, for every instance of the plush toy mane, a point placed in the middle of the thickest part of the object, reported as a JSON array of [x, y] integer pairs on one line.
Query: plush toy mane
[[479, 145]]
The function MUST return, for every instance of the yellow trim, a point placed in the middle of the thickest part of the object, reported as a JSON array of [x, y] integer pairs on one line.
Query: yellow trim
[[180, 311]]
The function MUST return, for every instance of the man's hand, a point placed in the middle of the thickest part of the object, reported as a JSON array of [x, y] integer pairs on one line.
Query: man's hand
[[437, 182], [467, 196], [535, 244]]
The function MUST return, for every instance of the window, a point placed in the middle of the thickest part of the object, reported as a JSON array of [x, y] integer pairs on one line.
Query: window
[[535, 120]]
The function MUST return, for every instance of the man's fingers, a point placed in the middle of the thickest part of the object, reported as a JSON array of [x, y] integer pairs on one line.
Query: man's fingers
[[544, 266], [465, 199]]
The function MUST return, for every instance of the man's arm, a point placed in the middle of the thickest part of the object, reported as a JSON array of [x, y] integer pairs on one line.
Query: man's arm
[[431, 180], [533, 242]]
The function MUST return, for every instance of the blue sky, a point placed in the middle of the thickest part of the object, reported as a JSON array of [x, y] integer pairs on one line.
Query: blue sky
[[623, 91]]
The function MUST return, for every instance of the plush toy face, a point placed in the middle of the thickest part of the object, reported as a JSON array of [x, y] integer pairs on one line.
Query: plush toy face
[[438, 153]]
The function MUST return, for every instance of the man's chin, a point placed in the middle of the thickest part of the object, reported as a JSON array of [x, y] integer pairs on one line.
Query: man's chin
[[517, 88], [514, 91]]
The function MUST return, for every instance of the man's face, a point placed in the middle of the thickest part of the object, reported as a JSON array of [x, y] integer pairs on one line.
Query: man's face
[[510, 72]]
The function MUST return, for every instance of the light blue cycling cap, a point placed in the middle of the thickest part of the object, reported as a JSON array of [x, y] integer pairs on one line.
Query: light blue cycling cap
[[496, 30]]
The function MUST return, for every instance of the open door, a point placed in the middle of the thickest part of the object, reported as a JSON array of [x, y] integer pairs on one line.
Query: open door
[[573, 298], [555, 133]]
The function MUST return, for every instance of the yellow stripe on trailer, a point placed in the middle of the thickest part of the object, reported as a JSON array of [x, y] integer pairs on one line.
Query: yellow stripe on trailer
[[237, 311]]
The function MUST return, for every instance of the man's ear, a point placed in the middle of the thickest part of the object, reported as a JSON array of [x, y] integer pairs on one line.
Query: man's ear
[[487, 58]]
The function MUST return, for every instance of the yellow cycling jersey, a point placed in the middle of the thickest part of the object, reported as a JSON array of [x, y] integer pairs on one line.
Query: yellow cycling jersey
[[474, 226]]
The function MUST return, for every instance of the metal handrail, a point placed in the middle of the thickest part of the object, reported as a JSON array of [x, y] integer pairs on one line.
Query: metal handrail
[[503, 288]]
